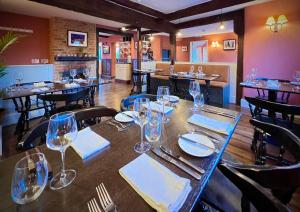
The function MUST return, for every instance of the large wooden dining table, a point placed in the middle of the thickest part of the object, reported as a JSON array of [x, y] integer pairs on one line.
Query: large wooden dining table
[[104, 167]]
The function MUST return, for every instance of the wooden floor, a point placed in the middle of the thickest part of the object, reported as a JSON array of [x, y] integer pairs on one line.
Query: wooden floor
[[110, 95]]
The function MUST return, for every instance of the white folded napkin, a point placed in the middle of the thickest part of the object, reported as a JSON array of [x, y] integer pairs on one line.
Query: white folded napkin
[[211, 123], [37, 90], [88, 142], [80, 80], [159, 108], [39, 84], [162, 189], [72, 85]]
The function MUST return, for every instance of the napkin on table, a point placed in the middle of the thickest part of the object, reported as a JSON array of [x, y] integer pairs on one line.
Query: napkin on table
[[162, 189], [72, 85], [88, 142], [211, 123], [159, 108]]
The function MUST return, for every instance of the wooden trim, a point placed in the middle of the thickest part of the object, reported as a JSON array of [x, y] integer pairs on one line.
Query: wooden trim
[[204, 7]]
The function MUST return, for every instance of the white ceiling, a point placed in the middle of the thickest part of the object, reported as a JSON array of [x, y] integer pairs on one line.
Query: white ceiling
[[26, 7], [169, 6]]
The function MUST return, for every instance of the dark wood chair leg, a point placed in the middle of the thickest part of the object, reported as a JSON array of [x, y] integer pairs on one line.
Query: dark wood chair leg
[[245, 204]]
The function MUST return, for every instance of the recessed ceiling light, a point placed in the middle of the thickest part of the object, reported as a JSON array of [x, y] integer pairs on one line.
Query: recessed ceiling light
[[179, 34], [123, 29]]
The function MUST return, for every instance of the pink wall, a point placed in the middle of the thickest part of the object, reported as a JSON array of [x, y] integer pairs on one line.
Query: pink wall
[[31, 46], [276, 55], [214, 54]]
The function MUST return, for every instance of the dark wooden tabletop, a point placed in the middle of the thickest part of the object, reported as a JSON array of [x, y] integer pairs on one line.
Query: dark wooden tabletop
[[53, 87], [207, 77], [104, 166], [261, 84]]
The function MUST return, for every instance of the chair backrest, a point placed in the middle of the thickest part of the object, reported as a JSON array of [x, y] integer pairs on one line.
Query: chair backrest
[[252, 192], [93, 115], [274, 107], [283, 136], [66, 97], [127, 102]]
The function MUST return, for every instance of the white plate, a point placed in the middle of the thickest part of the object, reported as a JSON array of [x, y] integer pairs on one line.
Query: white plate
[[171, 98], [123, 118], [194, 149], [295, 83]]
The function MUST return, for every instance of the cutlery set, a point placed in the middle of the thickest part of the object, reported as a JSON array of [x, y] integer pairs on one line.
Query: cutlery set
[[219, 113], [105, 200], [120, 126]]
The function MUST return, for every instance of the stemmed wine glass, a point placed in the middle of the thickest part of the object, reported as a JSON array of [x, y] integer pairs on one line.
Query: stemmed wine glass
[[153, 128], [297, 78], [200, 70], [73, 73], [29, 178], [62, 130], [141, 116], [19, 79], [194, 90], [163, 94], [192, 69], [86, 73]]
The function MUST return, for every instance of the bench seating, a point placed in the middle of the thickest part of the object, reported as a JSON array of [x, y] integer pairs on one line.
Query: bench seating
[[219, 89]]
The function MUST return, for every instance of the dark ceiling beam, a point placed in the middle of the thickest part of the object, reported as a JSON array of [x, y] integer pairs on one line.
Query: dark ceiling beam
[[111, 11], [140, 8], [203, 8], [149, 32], [208, 20]]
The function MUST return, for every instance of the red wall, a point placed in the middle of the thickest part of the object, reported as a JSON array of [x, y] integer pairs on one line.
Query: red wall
[[214, 54], [276, 55], [31, 46]]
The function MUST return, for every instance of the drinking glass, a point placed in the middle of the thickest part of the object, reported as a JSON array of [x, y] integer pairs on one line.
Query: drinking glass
[[18, 79], [153, 128], [201, 101], [86, 73], [200, 70], [141, 116], [163, 92], [253, 74], [73, 73], [297, 78], [62, 130], [194, 90], [29, 178], [192, 69]]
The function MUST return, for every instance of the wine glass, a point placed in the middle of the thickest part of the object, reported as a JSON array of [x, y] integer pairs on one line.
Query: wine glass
[[200, 70], [163, 94], [192, 69], [62, 130], [86, 73], [73, 73], [141, 116], [201, 101], [194, 90], [253, 74], [153, 128], [19, 79], [29, 178], [297, 78]]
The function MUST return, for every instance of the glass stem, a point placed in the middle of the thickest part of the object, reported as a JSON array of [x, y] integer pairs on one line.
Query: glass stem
[[142, 135], [63, 173], [163, 110]]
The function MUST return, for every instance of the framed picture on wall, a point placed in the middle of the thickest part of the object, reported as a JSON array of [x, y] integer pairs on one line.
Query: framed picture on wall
[[78, 39], [229, 44], [184, 48], [106, 49]]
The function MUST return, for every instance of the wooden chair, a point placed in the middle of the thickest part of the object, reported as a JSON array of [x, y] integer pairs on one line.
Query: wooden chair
[[50, 101], [84, 117], [127, 102], [282, 97], [138, 81]]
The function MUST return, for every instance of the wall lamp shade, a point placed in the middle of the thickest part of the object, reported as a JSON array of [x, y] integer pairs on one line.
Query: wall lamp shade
[[215, 44], [274, 25]]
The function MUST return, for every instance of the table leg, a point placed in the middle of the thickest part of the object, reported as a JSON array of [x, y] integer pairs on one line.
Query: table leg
[[207, 85], [272, 96], [92, 97]]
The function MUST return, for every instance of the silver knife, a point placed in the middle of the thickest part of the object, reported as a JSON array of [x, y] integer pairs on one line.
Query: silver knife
[[185, 161], [195, 142], [217, 140], [184, 168]]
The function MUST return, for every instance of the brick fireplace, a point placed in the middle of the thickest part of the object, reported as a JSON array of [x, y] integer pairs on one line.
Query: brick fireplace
[[58, 30]]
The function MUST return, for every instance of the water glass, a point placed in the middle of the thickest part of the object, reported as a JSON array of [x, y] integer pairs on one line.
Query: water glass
[[62, 130], [297, 78], [200, 70], [141, 116], [18, 79], [192, 69], [163, 92], [86, 73], [194, 90], [73, 73], [29, 178], [153, 128]]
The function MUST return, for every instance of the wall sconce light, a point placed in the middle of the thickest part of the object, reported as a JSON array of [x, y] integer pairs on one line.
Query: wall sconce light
[[276, 26], [123, 29], [151, 38], [215, 44]]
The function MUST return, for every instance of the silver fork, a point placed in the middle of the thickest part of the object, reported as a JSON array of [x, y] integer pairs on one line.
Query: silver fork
[[93, 206], [105, 200]]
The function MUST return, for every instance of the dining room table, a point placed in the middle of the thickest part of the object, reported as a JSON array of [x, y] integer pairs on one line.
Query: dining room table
[[25, 98], [148, 73], [104, 166]]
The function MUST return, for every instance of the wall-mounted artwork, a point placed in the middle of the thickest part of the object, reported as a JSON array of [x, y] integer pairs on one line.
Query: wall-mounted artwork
[[229, 44], [78, 39], [106, 49], [184, 48]]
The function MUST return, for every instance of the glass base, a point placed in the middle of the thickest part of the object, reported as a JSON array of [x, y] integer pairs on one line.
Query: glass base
[[141, 148], [59, 182], [194, 109]]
